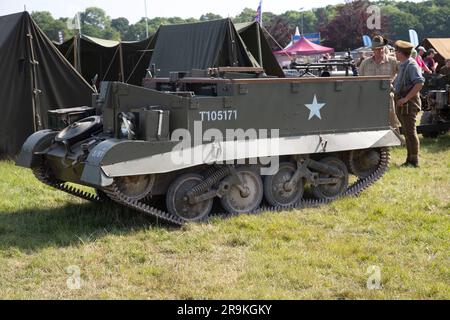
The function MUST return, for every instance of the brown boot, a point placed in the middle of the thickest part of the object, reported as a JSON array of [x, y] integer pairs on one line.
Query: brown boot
[[411, 164]]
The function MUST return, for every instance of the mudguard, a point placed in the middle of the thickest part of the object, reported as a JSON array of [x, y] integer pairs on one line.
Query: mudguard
[[29, 156], [92, 172]]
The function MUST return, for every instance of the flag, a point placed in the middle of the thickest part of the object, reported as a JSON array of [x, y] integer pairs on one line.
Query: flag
[[258, 16], [60, 37], [74, 24], [313, 37], [413, 37], [367, 41], [297, 35]]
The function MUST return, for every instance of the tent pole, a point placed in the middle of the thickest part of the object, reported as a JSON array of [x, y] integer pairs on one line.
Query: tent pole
[[75, 50], [232, 47], [122, 75], [79, 52], [258, 33], [37, 124]]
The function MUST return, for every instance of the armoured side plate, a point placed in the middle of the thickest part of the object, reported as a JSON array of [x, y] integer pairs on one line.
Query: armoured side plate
[[338, 85], [295, 87], [229, 150], [243, 89]]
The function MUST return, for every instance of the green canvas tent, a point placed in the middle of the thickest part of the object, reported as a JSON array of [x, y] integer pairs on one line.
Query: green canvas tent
[[125, 61], [211, 44], [36, 78], [254, 38]]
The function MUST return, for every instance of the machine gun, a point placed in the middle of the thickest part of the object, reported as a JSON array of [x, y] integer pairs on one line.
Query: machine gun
[[327, 68]]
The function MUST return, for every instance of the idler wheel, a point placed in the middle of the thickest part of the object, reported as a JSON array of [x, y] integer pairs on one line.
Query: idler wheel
[[246, 197], [278, 192], [80, 130], [362, 163], [332, 190], [178, 202], [135, 187]]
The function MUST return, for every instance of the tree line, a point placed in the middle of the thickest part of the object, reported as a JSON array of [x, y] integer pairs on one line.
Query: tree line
[[341, 26]]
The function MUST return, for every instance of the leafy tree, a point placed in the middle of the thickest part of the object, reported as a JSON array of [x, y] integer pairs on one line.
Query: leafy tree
[[398, 23], [95, 23], [296, 18], [49, 25], [121, 25], [341, 25], [436, 23], [267, 18], [280, 30], [347, 27], [247, 15], [138, 30], [210, 16]]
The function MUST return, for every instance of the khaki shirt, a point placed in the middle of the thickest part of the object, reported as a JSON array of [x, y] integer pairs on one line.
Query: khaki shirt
[[409, 75], [387, 67]]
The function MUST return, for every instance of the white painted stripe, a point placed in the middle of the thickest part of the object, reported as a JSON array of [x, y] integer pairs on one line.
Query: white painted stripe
[[232, 150]]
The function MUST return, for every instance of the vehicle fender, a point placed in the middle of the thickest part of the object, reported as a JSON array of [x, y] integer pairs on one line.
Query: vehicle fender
[[38, 142], [93, 173]]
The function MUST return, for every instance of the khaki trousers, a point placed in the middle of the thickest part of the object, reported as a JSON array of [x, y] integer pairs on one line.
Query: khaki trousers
[[407, 114]]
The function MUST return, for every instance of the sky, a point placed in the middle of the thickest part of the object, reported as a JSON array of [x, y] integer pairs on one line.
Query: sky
[[133, 10]]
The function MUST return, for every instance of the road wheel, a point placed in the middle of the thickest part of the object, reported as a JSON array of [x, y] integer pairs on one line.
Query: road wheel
[[276, 190], [135, 187], [247, 197], [178, 203], [332, 190]]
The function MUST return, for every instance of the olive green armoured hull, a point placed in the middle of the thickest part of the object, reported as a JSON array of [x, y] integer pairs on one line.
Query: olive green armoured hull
[[143, 139]]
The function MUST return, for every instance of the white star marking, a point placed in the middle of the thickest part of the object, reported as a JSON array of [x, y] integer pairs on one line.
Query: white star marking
[[315, 108]]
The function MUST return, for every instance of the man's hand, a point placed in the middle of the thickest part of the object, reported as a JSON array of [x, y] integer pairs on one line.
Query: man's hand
[[401, 102], [417, 87]]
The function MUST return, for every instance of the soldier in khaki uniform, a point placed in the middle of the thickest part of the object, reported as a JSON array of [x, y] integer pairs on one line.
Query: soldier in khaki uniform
[[407, 88], [381, 64]]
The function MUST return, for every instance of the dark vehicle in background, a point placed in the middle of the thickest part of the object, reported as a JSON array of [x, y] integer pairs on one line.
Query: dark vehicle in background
[[435, 97]]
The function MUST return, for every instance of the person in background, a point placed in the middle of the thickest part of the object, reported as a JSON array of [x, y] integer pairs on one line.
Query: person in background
[[381, 64], [407, 86], [429, 60], [326, 56], [445, 70], [360, 59], [419, 59]]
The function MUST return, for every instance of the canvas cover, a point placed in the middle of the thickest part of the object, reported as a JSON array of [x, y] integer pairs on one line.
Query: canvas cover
[[107, 58], [441, 45], [35, 79], [202, 45], [253, 36]]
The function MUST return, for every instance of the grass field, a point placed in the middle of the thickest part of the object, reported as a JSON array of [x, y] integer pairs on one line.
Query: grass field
[[399, 229]]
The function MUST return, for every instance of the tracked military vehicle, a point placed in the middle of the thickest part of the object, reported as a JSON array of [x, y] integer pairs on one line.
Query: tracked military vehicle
[[228, 135]]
